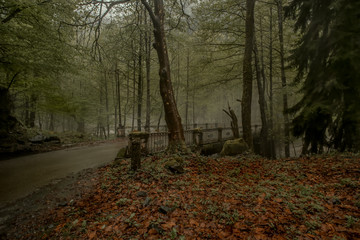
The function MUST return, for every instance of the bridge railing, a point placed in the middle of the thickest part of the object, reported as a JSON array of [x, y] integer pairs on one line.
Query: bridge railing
[[158, 141]]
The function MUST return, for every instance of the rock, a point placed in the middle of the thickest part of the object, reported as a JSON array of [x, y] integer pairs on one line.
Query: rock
[[62, 204], [123, 153], [141, 194], [174, 166], [37, 139], [52, 139], [234, 147], [147, 202], [165, 209], [212, 148]]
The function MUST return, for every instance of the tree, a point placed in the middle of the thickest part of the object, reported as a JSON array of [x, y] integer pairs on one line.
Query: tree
[[327, 58], [283, 78], [247, 73], [34, 48], [172, 117]]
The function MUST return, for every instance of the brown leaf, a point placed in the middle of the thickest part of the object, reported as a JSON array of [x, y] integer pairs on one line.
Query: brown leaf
[[193, 222], [169, 224], [92, 235], [152, 231]]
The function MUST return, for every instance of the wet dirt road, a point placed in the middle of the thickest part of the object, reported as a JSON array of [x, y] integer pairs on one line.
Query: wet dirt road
[[21, 176]]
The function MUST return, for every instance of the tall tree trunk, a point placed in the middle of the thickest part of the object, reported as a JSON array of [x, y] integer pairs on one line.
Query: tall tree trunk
[[283, 79], [127, 93], [178, 72], [271, 119], [32, 114], [100, 120], [187, 88], [114, 87], [193, 108], [5, 112], [247, 73], [140, 73], [134, 95], [172, 117], [147, 62], [118, 122], [27, 112], [51, 123], [107, 104], [262, 103]]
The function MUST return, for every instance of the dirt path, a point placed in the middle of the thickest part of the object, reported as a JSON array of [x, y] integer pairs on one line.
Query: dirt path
[[21, 176], [33, 183]]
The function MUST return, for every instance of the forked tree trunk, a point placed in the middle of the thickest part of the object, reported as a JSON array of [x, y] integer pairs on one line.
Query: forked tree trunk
[[172, 117], [234, 122], [247, 73]]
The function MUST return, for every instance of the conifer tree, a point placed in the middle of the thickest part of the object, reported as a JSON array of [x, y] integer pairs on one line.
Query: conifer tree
[[327, 58]]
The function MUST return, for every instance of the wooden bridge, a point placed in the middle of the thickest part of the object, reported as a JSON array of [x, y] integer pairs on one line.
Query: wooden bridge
[[154, 142]]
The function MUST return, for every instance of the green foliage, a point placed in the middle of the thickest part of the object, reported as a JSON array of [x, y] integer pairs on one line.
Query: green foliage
[[326, 58]]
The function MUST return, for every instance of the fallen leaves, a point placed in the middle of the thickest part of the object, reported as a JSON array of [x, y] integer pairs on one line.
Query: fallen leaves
[[227, 198]]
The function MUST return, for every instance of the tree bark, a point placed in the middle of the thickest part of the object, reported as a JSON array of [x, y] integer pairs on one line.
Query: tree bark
[[271, 119], [51, 122], [107, 104], [148, 66], [262, 103], [283, 79], [134, 95], [140, 75], [127, 93], [172, 117], [247, 73], [32, 111], [118, 97], [187, 89]]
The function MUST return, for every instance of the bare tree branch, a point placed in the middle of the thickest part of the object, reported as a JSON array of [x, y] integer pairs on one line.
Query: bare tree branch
[[13, 79]]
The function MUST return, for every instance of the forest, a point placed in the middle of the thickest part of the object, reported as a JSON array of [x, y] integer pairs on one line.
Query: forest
[[283, 75], [92, 67]]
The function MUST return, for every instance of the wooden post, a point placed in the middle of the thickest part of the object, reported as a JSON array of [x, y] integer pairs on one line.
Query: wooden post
[[201, 139], [135, 154], [197, 133], [194, 133], [219, 134]]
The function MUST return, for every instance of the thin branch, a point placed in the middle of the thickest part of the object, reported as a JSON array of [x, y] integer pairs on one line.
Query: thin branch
[[13, 79]]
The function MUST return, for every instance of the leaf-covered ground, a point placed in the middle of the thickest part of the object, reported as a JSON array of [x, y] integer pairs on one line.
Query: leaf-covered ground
[[244, 197]]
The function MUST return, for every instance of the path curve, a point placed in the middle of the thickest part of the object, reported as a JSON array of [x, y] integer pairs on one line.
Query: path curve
[[23, 175]]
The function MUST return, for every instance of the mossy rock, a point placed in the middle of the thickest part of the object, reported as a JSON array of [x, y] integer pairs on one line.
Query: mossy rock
[[212, 148], [234, 147], [175, 165], [123, 153]]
